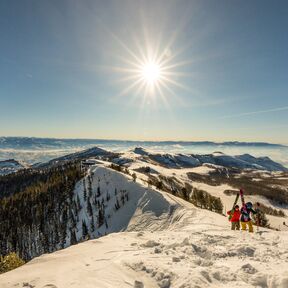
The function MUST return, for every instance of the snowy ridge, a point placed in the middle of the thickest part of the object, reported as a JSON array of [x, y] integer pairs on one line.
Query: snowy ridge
[[81, 155], [11, 166], [91, 152], [244, 161], [166, 242], [35, 150], [140, 201]]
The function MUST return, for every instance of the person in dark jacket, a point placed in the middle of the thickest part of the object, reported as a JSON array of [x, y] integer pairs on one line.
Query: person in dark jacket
[[245, 219], [235, 218]]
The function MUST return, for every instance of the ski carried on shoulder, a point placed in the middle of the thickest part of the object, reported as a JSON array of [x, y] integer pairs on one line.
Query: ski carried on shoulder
[[233, 207], [242, 200]]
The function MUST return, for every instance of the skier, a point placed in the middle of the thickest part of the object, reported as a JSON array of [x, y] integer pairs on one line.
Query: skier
[[245, 216], [235, 217]]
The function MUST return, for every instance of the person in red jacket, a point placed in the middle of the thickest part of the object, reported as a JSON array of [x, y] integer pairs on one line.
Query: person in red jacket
[[235, 218]]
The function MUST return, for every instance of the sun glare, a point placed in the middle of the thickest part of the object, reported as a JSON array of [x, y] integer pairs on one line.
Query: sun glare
[[151, 73]]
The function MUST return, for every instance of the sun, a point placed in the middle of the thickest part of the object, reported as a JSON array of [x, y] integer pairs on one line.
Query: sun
[[151, 72]]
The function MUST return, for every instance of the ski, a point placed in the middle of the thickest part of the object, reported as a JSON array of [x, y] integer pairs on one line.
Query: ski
[[242, 200], [233, 207]]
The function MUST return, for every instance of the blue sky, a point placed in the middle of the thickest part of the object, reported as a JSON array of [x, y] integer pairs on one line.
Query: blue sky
[[63, 66]]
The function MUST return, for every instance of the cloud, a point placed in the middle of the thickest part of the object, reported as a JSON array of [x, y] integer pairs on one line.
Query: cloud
[[255, 112]]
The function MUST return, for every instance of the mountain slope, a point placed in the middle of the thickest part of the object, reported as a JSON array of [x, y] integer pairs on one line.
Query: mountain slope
[[80, 155], [167, 243], [244, 161]]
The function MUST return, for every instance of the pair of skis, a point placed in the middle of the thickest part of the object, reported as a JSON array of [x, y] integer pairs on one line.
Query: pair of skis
[[242, 200], [241, 195], [233, 207]]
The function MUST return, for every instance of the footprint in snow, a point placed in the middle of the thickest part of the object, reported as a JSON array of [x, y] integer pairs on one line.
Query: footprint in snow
[[138, 284], [28, 285], [248, 268]]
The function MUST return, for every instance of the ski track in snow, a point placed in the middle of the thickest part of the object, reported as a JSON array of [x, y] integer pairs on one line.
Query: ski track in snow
[[166, 242]]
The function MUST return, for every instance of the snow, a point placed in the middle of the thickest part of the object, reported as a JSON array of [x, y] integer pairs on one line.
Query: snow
[[202, 170], [163, 242], [141, 199], [175, 160]]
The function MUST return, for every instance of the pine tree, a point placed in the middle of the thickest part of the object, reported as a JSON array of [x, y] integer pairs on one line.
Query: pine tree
[[84, 230], [90, 187], [217, 205], [79, 207], [185, 193], [201, 198], [92, 224], [100, 217], [261, 219], [98, 192], [89, 208], [73, 238], [159, 185], [84, 191]]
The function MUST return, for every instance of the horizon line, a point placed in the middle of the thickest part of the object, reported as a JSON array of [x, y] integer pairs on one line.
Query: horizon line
[[154, 141]]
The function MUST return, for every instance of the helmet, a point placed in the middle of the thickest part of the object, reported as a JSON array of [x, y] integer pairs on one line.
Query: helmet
[[249, 205]]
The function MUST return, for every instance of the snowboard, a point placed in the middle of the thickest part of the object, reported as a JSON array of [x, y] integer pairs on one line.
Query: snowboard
[[233, 207]]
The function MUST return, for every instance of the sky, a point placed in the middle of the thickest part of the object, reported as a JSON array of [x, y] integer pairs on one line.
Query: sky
[[74, 69]]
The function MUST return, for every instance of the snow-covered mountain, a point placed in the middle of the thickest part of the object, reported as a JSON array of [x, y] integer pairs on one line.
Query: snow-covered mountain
[[80, 155], [175, 171], [149, 237], [34, 150], [167, 160], [159, 240], [11, 166]]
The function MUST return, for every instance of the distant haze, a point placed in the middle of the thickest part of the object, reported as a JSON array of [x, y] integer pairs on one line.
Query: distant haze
[[34, 150]]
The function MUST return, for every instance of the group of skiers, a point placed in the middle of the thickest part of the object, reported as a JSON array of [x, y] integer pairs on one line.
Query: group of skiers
[[243, 215]]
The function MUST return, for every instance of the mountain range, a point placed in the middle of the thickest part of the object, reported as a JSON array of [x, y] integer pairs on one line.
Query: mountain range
[[34, 142]]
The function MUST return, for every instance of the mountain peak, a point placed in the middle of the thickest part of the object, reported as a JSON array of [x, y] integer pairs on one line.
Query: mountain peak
[[140, 151]]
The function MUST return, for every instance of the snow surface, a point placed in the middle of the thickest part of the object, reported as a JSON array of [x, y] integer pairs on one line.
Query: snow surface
[[166, 242]]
